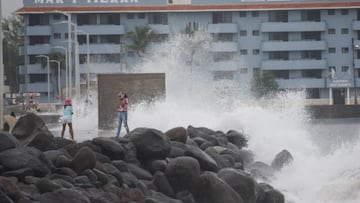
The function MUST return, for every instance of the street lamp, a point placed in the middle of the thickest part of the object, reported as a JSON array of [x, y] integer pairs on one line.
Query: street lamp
[[48, 73], [1, 75], [66, 70], [354, 48], [87, 61], [59, 87]]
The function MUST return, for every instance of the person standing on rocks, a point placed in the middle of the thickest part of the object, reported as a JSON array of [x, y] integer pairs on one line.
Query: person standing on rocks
[[67, 118], [122, 109]]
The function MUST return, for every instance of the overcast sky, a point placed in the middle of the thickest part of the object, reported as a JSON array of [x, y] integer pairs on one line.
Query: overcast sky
[[10, 6]]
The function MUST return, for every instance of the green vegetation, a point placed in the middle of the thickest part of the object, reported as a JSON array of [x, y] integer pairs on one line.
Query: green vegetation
[[140, 39]]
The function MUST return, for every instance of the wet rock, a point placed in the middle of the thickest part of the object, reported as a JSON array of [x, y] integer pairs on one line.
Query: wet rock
[[282, 159], [162, 184], [110, 148], [211, 189], [7, 141], [139, 172], [83, 159], [46, 185], [261, 170], [160, 197], [177, 134], [64, 195], [10, 188], [31, 130], [182, 172], [19, 173], [241, 182], [267, 194], [185, 197], [206, 162], [237, 138]]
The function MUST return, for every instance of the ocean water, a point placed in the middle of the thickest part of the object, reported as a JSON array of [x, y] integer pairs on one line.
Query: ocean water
[[325, 167]]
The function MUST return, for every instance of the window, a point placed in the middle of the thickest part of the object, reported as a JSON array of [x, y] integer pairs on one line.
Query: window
[[332, 50], [242, 14], [33, 40], [223, 75], [158, 18], [255, 13], [331, 31], [344, 31], [34, 78], [311, 15], [315, 73], [312, 93], [279, 55], [280, 74], [243, 32], [331, 12], [256, 70], [86, 19], [345, 50], [243, 70], [66, 35], [225, 37], [256, 51], [57, 17], [311, 55], [57, 36], [344, 69], [279, 36], [141, 15], [255, 33], [131, 54], [223, 56], [38, 19], [311, 36], [110, 19], [243, 52], [130, 15], [222, 17], [278, 16], [344, 11], [109, 39]]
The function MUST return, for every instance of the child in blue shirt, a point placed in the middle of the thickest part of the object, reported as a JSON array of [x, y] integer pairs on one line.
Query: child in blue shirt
[[67, 118]]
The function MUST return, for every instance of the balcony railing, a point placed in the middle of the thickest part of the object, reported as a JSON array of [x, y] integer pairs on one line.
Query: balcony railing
[[293, 26], [301, 83], [224, 47], [293, 45], [103, 29], [39, 30], [223, 28], [293, 64]]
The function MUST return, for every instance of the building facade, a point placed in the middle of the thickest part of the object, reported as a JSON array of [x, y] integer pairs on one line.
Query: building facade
[[305, 44]]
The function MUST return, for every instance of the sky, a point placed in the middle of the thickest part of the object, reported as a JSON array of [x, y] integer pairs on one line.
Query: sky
[[10, 6]]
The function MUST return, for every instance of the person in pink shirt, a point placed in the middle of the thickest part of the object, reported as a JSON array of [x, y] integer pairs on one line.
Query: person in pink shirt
[[122, 109]]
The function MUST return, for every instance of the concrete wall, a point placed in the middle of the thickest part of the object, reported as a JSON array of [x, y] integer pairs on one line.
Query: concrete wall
[[334, 111], [139, 87]]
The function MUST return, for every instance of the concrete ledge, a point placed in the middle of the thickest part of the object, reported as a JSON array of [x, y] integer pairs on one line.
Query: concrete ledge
[[334, 111]]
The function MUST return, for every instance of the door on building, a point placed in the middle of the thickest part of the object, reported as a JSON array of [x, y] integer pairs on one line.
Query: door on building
[[339, 96]]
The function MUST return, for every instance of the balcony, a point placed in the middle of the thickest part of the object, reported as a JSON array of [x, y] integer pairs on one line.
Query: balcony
[[35, 87], [39, 30], [32, 69], [102, 68], [301, 83], [160, 29], [101, 48], [224, 47], [35, 49], [356, 25], [223, 28], [293, 45], [293, 64], [103, 29], [224, 66], [357, 63], [293, 26]]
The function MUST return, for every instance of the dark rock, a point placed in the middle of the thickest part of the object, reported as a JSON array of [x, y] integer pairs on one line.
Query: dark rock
[[150, 143], [83, 159], [139, 172], [4, 198], [19, 173], [177, 149], [129, 179], [267, 194], [182, 172], [62, 161], [63, 183], [31, 130], [29, 192], [191, 142], [65, 171], [185, 196], [205, 145], [110, 148], [156, 165], [177, 134], [102, 158], [9, 188], [130, 151], [199, 140], [261, 170], [7, 141], [160, 197], [132, 195], [206, 162], [241, 182], [237, 138], [31, 179], [62, 177], [25, 157], [162, 184], [61, 142], [64, 195], [282, 159], [46, 185], [220, 161], [52, 155], [72, 149], [211, 189], [82, 179], [120, 165], [221, 138], [239, 166], [205, 133], [102, 177], [90, 174]]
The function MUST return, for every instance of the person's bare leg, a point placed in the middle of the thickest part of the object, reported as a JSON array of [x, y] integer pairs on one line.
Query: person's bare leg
[[63, 130], [71, 131]]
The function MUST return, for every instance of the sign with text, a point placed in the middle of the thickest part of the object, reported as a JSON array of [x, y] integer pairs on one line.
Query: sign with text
[[339, 83]]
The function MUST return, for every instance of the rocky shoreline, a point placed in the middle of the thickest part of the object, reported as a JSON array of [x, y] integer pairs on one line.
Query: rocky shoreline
[[189, 165]]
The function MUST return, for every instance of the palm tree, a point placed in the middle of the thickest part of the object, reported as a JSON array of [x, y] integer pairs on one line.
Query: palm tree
[[140, 38]]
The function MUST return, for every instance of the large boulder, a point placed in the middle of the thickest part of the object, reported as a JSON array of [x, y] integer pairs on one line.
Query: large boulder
[[177, 134], [25, 157], [150, 143], [267, 194], [207, 163], [7, 141], [182, 172], [9, 187], [282, 159], [110, 147], [31, 130], [237, 138], [261, 170], [202, 132], [241, 182], [84, 159], [211, 189]]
